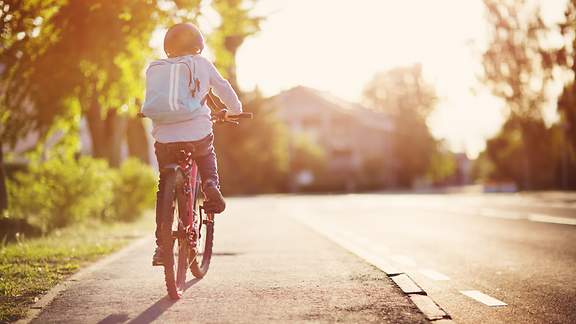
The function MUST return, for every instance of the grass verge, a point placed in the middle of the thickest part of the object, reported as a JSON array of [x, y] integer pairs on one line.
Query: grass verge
[[29, 268]]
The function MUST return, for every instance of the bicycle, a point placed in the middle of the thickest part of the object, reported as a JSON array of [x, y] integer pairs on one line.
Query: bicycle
[[193, 230]]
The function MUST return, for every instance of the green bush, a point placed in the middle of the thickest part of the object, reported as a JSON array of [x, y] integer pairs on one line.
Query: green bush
[[61, 191], [133, 190]]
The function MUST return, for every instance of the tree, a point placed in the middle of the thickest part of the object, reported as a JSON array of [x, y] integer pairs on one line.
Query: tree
[[252, 157], [519, 66], [443, 166], [567, 100], [21, 23], [61, 60], [109, 44], [23, 26], [84, 57], [408, 99], [237, 24], [506, 152]]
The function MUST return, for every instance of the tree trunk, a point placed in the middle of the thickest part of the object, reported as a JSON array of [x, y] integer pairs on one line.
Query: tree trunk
[[232, 44], [527, 163], [97, 129], [137, 140], [3, 191], [107, 133], [116, 128]]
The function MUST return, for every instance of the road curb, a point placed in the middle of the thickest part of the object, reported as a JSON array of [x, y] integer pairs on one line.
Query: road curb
[[407, 285], [53, 293], [431, 310]]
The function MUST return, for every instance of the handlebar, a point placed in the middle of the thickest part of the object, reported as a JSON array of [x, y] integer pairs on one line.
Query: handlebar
[[244, 115], [218, 118], [219, 110]]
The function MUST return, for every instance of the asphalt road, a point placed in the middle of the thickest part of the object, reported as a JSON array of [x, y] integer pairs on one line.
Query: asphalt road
[[276, 261], [519, 250], [267, 268]]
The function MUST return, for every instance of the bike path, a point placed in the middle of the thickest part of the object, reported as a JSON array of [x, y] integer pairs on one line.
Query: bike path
[[267, 268]]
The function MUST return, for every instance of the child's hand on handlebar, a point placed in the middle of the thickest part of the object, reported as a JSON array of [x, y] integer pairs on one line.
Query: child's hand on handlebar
[[224, 117]]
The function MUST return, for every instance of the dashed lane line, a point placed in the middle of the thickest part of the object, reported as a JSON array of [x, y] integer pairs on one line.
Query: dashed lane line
[[543, 218], [431, 310], [494, 213], [532, 217], [483, 298], [434, 275], [403, 259]]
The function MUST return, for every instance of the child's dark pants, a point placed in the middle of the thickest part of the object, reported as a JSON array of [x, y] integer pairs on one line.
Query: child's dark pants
[[202, 153]]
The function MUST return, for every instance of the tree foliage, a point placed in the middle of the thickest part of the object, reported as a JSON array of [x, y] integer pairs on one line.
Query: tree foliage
[[507, 154], [567, 100], [62, 60], [408, 99], [237, 24], [401, 90], [75, 57], [25, 37], [252, 157], [523, 59], [518, 64]]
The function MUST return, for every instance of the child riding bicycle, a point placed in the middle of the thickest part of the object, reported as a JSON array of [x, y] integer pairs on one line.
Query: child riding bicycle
[[183, 119]]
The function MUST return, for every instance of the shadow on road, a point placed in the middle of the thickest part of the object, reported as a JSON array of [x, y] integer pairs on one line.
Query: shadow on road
[[225, 254], [150, 314], [114, 319]]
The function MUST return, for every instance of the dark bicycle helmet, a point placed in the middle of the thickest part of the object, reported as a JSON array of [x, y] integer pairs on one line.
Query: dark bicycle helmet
[[183, 39]]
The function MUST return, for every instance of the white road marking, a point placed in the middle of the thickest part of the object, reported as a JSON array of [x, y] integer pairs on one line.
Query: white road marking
[[499, 214], [533, 217], [551, 219], [431, 310], [434, 275], [483, 298], [339, 237], [403, 259]]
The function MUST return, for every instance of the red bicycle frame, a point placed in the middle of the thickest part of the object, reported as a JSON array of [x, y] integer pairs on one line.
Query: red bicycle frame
[[190, 187]]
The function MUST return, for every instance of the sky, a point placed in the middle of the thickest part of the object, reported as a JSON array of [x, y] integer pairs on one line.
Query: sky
[[338, 46]]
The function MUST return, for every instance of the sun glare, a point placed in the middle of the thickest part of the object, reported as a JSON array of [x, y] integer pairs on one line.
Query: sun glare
[[339, 45]]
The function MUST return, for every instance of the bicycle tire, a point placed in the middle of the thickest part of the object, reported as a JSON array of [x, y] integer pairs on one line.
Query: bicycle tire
[[183, 245], [200, 262], [174, 272]]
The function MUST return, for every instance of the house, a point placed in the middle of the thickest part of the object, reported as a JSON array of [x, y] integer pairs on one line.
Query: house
[[355, 140]]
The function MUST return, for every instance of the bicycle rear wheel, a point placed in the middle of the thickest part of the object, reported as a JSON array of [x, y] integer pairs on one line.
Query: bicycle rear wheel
[[176, 256], [200, 262]]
